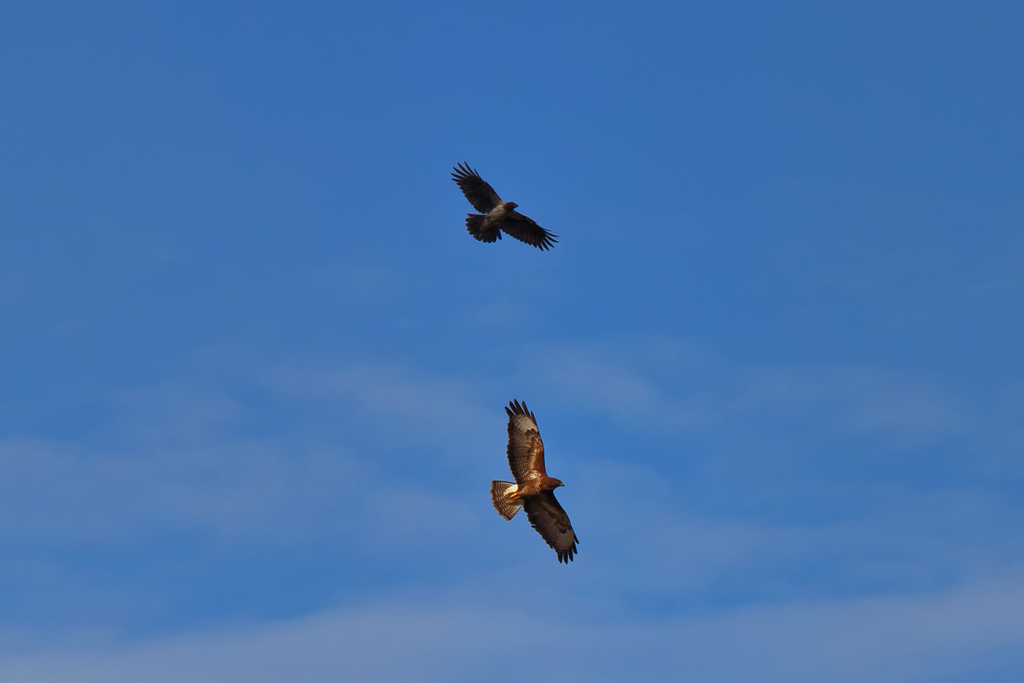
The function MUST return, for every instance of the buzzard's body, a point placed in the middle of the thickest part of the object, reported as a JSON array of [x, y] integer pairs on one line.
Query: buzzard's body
[[533, 488], [496, 215]]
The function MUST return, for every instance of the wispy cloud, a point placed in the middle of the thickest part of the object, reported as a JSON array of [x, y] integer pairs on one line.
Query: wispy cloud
[[55, 493], [959, 634], [683, 387], [183, 461], [852, 400], [181, 458], [429, 405]]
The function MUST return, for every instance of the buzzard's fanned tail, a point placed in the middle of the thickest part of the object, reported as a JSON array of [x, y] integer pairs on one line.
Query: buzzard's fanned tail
[[506, 507], [475, 225]]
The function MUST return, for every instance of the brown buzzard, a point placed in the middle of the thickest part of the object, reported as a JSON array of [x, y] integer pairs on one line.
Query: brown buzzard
[[496, 215], [534, 489]]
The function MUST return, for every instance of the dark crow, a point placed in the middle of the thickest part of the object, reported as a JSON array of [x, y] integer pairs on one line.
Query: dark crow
[[496, 215]]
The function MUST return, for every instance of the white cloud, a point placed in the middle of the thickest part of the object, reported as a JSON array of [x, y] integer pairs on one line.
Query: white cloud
[[673, 386], [181, 466], [852, 401], [430, 406], [958, 634], [178, 458], [53, 493]]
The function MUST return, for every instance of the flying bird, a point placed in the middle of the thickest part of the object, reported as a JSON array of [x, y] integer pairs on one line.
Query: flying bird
[[496, 215], [533, 489]]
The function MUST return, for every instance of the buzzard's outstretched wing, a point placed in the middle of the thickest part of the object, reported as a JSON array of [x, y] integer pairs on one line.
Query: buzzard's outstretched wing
[[525, 448], [551, 522], [526, 230], [477, 190]]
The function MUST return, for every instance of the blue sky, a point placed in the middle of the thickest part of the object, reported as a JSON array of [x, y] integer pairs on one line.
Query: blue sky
[[254, 367]]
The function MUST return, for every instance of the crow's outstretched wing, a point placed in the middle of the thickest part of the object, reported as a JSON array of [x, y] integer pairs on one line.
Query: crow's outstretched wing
[[477, 190], [526, 230]]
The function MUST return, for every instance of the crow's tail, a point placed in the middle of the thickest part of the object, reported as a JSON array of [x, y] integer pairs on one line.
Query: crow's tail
[[475, 226]]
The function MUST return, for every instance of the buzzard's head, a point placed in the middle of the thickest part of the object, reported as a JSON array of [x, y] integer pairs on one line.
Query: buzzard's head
[[510, 205], [558, 482]]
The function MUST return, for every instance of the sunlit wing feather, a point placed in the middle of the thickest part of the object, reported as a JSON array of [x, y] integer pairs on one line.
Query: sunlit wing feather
[[525, 447]]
